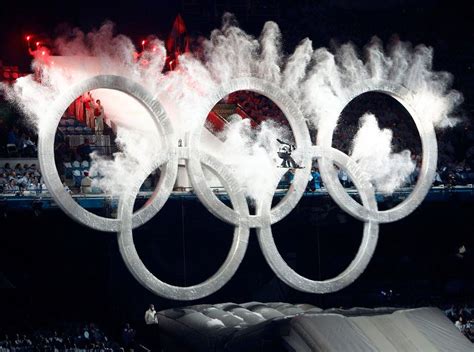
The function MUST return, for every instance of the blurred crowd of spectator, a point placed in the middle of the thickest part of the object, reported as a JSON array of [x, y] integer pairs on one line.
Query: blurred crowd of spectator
[[21, 179], [455, 160], [257, 106], [27, 180], [448, 177], [463, 319], [17, 141], [82, 337]]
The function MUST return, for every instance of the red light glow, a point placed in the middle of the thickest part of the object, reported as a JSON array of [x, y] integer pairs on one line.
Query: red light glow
[[143, 42], [28, 37], [37, 43]]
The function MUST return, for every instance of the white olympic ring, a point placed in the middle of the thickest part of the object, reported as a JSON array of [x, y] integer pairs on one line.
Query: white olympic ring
[[53, 183], [238, 215]]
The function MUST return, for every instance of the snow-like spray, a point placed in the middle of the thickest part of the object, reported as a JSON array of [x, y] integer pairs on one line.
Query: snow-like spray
[[316, 79], [252, 154], [386, 170]]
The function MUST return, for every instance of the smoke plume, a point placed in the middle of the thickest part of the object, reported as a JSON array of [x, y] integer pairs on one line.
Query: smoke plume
[[316, 79], [385, 169]]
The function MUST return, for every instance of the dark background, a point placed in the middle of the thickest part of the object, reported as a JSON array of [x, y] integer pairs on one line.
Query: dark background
[[63, 271]]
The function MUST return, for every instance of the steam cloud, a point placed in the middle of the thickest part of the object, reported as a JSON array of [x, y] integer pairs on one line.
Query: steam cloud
[[386, 170], [315, 79], [253, 154]]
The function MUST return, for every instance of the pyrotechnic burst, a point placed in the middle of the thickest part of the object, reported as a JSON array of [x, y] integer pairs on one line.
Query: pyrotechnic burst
[[316, 79]]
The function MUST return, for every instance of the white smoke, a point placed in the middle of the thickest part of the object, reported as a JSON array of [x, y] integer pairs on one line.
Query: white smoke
[[252, 154], [98, 52], [372, 150], [332, 73], [120, 174], [315, 79], [83, 56]]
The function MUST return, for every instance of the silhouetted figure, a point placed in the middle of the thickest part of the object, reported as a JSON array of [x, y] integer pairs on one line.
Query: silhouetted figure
[[128, 336], [83, 150], [285, 154]]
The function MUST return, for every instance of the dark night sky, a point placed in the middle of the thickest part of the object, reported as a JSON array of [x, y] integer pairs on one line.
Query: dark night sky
[[18, 18], [448, 26]]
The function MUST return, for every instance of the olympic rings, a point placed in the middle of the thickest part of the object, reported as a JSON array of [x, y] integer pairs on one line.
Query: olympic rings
[[239, 215]]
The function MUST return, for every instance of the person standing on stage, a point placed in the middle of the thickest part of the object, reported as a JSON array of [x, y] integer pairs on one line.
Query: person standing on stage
[[150, 316], [150, 331], [89, 109], [99, 117]]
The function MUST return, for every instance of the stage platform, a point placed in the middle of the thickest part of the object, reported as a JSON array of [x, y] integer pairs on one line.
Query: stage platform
[[280, 326], [101, 201]]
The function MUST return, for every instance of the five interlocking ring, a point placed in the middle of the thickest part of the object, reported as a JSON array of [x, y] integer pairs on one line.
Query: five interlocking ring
[[239, 215]]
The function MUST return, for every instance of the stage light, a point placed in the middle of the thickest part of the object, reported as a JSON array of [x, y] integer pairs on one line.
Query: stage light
[[37, 44], [28, 37], [143, 42]]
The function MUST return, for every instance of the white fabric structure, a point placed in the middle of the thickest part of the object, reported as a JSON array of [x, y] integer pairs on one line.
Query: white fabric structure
[[280, 326], [421, 329]]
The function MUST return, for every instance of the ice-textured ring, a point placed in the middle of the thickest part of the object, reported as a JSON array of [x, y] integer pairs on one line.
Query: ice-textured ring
[[238, 215], [46, 138]]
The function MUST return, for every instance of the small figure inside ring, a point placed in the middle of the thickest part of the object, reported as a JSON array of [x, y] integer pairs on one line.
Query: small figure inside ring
[[284, 153]]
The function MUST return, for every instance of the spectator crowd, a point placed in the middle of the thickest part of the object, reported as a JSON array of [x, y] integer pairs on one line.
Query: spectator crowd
[[455, 162], [17, 141], [24, 179], [463, 319], [448, 177], [21, 180], [74, 337], [256, 106]]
